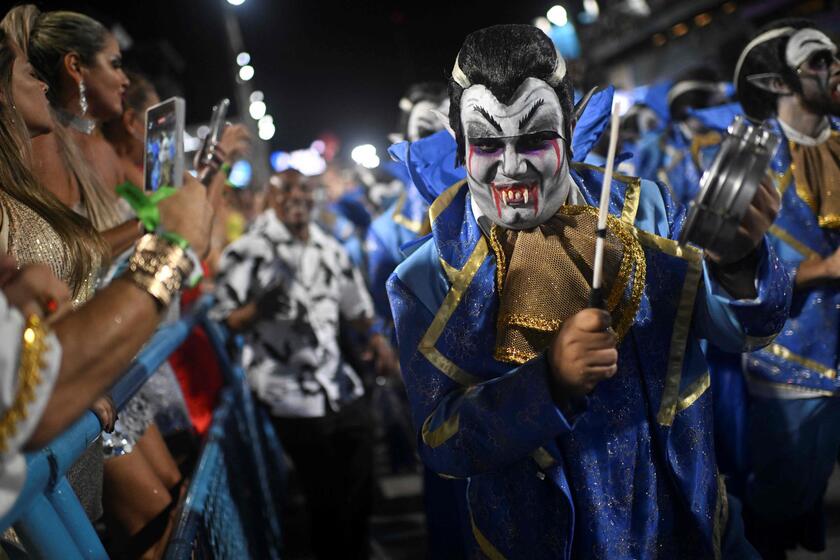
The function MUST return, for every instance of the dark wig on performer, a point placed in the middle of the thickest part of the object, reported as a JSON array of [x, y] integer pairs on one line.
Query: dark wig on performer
[[766, 58], [501, 58], [707, 92]]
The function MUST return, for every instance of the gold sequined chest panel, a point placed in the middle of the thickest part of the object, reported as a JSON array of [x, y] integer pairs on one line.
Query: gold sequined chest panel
[[32, 240]]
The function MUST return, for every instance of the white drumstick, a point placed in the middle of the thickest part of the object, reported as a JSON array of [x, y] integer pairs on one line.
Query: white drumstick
[[603, 210]]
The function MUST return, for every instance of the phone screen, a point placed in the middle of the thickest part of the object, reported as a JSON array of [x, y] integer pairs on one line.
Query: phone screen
[[164, 154]]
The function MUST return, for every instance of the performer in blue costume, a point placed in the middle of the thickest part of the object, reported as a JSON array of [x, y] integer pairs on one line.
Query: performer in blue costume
[[581, 432], [407, 219], [682, 152], [790, 74]]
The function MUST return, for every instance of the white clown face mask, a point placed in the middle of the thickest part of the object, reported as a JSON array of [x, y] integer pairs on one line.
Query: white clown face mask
[[426, 118], [515, 154]]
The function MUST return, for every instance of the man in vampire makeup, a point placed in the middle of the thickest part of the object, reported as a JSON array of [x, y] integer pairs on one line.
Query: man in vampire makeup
[[581, 432], [790, 74]]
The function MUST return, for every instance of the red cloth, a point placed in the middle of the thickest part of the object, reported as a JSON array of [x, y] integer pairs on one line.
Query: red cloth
[[197, 371]]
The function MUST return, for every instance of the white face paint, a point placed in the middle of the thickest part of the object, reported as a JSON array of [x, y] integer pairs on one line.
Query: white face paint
[[515, 155], [425, 118], [805, 43], [814, 57]]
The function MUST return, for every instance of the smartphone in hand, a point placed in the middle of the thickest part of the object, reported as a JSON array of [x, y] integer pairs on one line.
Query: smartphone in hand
[[163, 162], [205, 162]]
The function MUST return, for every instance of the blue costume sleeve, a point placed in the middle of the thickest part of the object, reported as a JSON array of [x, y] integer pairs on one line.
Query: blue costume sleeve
[[734, 325], [381, 263], [741, 325], [465, 431]]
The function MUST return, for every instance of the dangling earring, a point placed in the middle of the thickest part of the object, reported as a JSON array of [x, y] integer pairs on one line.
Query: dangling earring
[[83, 103], [79, 122]]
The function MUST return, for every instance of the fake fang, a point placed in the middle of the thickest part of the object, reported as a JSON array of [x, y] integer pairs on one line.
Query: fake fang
[[518, 195]]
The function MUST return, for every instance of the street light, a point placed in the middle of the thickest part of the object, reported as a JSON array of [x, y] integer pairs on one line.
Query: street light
[[557, 15], [246, 72], [365, 155], [265, 127], [235, 2], [257, 110], [266, 132], [243, 58]]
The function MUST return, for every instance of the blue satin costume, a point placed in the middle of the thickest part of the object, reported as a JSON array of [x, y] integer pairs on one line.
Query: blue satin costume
[[631, 476], [794, 415], [405, 221]]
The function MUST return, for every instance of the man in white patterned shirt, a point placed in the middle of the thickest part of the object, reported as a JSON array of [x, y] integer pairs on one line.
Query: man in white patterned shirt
[[287, 285]]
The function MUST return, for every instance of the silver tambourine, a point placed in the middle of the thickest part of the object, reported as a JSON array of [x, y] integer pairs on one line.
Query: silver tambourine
[[729, 185]]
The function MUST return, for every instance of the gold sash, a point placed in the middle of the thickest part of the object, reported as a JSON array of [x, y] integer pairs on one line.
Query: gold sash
[[544, 276], [816, 170]]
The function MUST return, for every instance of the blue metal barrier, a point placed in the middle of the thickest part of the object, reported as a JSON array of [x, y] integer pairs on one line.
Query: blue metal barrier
[[231, 505], [50, 520]]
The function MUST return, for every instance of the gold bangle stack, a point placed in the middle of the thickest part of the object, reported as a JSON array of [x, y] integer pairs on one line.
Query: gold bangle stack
[[159, 267]]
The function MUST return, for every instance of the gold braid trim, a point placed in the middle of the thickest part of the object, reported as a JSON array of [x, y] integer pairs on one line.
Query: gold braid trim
[[632, 259], [829, 221], [501, 264], [29, 377]]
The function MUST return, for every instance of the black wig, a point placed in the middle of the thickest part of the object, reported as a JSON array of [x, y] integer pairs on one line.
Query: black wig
[[766, 58], [501, 58], [698, 98]]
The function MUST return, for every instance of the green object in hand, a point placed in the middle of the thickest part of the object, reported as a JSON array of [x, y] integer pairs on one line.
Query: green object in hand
[[145, 205]]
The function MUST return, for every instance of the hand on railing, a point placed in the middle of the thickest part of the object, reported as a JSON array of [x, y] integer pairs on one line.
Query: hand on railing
[[106, 411]]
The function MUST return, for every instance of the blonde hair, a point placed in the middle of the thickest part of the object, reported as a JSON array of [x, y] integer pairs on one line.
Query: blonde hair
[[44, 39], [85, 246]]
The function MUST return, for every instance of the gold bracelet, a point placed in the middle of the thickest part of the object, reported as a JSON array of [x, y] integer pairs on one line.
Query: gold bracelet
[[32, 350], [159, 267]]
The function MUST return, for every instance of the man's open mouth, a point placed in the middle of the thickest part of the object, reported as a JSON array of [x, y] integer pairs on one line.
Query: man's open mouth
[[516, 195]]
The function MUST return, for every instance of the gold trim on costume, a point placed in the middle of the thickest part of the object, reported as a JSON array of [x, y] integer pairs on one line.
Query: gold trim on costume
[[682, 321], [485, 545], [694, 391], [829, 221], [33, 347], [754, 380], [543, 458], [632, 196], [797, 245], [781, 352], [420, 227], [784, 179], [721, 516], [449, 476], [451, 271], [703, 141], [438, 436], [460, 280], [443, 200]]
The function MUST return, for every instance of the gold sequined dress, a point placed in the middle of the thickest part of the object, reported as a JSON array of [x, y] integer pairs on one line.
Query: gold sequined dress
[[30, 239]]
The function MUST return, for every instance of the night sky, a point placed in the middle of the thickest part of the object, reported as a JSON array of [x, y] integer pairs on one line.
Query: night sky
[[323, 66]]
